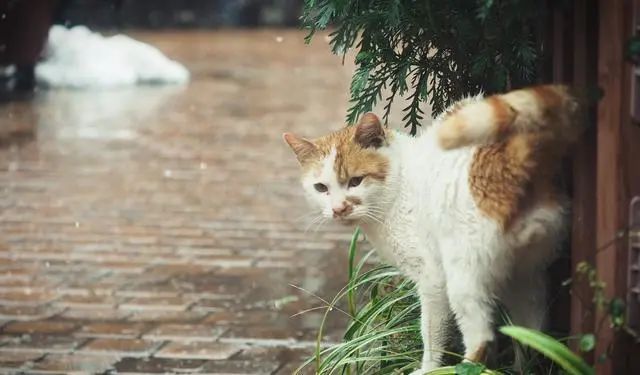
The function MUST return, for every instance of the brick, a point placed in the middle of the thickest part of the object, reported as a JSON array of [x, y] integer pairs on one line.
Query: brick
[[26, 298], [207, 251], [221, 318], [247, 334], [17, 362], [184, 332], [268, 263], [87, 302], [120, 347], [156, 303], [198, 350], [124, 266], [132, 366], [288, 359], [94, 314], [267, 366], [166, 316], [43, 326], [112, 330], [43, 344], [226, 262], [146, 293], [27, 312], [212, 304], [73, 364], [267, 253]]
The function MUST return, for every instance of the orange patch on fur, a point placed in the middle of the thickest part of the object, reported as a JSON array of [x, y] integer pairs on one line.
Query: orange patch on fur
[[352, 160], [503, 115], [549, 96], [507, 178]]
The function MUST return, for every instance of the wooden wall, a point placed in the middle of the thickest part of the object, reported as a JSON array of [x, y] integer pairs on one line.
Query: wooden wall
[[588, 50]]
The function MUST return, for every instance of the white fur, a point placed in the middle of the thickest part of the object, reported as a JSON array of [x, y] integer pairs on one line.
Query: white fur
[[482, 116], [423, 220]]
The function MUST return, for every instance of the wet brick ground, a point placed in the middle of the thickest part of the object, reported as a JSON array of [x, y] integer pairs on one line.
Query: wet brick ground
[[157, 229]]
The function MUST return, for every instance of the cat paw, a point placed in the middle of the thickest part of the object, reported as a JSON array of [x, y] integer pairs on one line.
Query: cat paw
[[426, 368]]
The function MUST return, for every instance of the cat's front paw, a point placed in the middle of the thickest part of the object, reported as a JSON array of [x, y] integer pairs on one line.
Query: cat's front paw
[[426, 368]]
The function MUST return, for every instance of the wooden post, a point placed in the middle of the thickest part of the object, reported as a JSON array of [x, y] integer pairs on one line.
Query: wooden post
[[617, 175], [584, 173]]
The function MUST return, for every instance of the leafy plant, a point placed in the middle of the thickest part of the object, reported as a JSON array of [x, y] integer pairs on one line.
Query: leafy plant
[[383, 335], [551, 348], [433, 51]]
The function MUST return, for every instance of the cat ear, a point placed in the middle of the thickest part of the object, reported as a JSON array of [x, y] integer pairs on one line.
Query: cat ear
[[303, 148], [369, 131]]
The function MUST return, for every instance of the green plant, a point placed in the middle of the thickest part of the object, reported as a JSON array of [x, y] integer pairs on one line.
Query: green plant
[[383, 335], [549, 347], [433, 50]]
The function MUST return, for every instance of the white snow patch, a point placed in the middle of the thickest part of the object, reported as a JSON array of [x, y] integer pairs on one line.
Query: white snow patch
[[79, 58]]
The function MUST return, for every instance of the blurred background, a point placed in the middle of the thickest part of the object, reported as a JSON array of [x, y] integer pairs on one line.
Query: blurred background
[[158, 225], [106, 14]]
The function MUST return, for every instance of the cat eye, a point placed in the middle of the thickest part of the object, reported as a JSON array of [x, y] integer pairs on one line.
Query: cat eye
[[321, 188], [355, 181]]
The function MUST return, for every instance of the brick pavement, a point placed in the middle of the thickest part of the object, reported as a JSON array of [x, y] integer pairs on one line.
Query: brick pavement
[[157, 229]]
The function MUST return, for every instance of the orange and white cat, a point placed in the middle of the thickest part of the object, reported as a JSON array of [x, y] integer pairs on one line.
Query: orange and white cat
[[468, 209]]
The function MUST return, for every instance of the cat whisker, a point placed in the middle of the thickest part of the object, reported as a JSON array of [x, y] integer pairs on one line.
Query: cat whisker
[[305, 216], [321, 223], [315, 220], [373, 217]]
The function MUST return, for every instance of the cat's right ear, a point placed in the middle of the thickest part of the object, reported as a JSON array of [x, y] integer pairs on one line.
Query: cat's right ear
[[303, 148]]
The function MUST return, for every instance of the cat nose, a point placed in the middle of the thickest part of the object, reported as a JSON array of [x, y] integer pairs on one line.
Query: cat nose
[[342, 210]]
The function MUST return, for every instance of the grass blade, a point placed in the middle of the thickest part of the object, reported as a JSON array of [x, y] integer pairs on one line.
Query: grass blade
[[549, 347]]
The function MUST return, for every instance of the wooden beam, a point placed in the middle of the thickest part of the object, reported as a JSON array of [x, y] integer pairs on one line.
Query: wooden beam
[[584, 174], [613, 169]]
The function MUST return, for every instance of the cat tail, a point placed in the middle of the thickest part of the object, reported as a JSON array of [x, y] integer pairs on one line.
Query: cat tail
[[549, 110]]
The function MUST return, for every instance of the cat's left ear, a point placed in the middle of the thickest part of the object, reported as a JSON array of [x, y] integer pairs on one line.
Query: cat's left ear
[[369, 131]]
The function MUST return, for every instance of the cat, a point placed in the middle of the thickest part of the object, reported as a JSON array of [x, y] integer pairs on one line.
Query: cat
[[468, 210]]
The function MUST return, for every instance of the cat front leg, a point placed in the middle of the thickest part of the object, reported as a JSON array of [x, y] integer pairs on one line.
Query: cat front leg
[[470, 290], [434, 316]]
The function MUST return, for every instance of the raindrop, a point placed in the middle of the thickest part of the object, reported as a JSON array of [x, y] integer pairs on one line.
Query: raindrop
[[203, 165], [3, 16], [77, 224], [279, 39], [167, 173], [47, 264]]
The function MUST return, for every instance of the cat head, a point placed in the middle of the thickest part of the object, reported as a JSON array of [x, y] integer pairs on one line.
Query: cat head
[[345, 173]]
